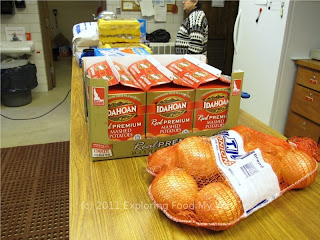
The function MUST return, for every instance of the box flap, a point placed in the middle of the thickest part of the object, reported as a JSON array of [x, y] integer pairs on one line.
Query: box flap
[[192, 72], [126, 78], [104, 70], [149, 73]]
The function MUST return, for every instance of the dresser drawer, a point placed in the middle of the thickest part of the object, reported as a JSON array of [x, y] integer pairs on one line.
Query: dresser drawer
[[306, 102], [300, 126], [309, 78]]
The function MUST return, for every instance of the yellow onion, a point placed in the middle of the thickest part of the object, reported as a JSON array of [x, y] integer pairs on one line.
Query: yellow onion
[[218, 203], [307, 145], [161, 158], [296, 165], [195, 155], [174, 190]]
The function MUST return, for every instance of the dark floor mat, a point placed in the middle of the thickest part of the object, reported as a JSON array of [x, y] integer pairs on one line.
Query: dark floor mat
[[35, 192]]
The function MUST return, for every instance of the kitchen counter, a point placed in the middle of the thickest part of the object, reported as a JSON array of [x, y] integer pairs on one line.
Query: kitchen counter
[[109, 199]]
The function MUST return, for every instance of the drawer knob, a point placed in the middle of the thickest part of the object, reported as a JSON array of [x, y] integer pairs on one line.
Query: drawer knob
[[303, 123], [309, 98], [313, 80], [314, 77]]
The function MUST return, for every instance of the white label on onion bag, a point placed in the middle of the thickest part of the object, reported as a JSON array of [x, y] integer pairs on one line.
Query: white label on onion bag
[[251, 177]]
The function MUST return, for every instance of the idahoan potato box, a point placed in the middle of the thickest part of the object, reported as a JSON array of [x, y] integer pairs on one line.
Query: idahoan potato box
[[169, 110], [216, 105]]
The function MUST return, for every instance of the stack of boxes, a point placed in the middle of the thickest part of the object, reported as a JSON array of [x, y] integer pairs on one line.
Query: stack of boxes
[[150, 107]]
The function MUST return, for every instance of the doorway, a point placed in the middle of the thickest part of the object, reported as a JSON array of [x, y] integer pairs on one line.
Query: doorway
[[57, 20], [221, 22]]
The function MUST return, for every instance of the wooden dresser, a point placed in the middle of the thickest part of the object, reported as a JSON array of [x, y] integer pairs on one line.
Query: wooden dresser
[[304, 114]]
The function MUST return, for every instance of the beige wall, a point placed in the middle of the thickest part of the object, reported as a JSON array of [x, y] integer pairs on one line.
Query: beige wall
[[29, 19], [69, 14]]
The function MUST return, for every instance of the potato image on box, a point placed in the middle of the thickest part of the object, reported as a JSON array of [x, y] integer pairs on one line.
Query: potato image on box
[[169, 110], [211, 106]]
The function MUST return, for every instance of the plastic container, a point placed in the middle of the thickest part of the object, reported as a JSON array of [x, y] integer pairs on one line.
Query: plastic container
[[18, 77]]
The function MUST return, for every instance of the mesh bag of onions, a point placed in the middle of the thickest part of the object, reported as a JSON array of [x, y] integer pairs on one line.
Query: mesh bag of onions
[[215, 182]]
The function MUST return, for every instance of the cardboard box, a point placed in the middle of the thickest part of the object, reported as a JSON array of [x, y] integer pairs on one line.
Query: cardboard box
[[169, 110], [212, 95], [211, 106], [126, 113], [169, 106], [143, 29], [103, 148], [126, 100]]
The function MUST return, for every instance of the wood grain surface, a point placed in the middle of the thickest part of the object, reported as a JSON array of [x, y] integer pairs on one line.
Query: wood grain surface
[[109, 199]]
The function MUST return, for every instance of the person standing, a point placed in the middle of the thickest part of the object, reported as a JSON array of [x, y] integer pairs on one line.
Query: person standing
[[192, 36]]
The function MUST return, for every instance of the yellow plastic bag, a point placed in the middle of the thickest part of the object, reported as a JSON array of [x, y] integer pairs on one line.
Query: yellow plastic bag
[[119, 30]]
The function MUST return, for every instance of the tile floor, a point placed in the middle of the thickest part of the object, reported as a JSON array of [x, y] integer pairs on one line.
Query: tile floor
[[53, 127]]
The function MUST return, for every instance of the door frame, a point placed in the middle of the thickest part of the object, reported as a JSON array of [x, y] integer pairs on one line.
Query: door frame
[[46, 42]]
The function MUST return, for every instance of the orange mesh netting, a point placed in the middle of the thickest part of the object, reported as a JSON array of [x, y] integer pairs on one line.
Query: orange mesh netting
[[191, 188], [307, 145]]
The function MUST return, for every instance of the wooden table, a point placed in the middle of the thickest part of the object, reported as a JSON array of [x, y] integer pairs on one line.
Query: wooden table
[[109, 199]]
